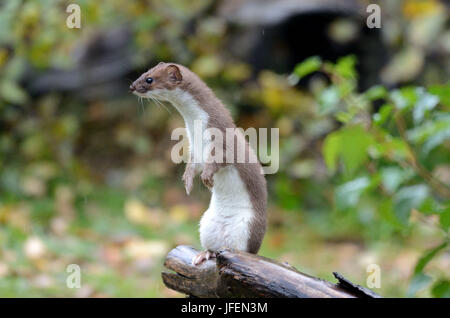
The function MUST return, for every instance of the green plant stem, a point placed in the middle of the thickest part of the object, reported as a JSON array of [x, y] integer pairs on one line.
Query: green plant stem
[[436, 184]]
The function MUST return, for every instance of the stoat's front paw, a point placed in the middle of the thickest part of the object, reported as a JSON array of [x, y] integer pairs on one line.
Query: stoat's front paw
[[202, 257], [208, 181], [207, 176], [188, 178]]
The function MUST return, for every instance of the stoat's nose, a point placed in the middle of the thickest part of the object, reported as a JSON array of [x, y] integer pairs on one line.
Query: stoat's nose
[[132, 88]]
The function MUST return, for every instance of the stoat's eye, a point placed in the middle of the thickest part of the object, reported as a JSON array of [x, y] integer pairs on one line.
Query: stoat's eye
[[149, 80]]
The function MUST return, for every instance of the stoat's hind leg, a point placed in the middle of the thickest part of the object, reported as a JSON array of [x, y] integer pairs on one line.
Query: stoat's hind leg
[[203, 256]]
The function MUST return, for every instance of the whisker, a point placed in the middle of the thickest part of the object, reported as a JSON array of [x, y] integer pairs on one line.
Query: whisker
[[159, 104], [153, 100], [142, 104], [162, 104], [168, 110]]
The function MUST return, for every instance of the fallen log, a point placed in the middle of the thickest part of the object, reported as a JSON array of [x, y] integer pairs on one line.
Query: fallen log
[[240, 274]]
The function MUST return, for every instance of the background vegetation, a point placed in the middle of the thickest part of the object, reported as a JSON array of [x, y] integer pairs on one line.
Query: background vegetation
[[85, 169]]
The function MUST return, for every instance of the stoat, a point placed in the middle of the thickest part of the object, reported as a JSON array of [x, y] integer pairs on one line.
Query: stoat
[[236, 217]]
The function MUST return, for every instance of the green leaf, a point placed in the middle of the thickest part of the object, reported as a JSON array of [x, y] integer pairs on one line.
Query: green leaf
[[443, 92], [435, 140], [345, 88], [328, 100], [427, 257], [386, 214], [393, 177], [345, 66], [376, 92], [347, 195], [425, 102], [383, 114], [331, 149], [308, 66], [350, 144], [429, 128], [416, 98], [431, 206], [441, 289], [418, 283], [431, 133], [355, 142], [409, 198], [344, 117], [419, 280], [393, 148], [444, 219], [404, 98]]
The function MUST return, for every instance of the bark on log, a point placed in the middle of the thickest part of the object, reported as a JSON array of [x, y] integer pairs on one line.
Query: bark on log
[[240, 274]]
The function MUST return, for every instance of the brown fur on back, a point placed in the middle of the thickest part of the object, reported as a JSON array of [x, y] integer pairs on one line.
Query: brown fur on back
[[250, 173]]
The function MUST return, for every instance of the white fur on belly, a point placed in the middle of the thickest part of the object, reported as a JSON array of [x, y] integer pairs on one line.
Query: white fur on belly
[[226, 222]]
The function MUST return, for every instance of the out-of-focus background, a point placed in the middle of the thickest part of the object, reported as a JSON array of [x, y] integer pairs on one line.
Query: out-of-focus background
[[85, 171]]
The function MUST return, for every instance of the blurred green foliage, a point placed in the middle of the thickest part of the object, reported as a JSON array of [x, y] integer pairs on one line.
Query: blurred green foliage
[[384, 157], [364, 176]]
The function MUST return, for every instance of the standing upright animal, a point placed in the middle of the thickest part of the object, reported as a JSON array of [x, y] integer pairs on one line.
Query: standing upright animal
[[236, 217]]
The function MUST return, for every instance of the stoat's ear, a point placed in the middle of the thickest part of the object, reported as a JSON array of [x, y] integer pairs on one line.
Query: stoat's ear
[[174, 73], [156, 66]]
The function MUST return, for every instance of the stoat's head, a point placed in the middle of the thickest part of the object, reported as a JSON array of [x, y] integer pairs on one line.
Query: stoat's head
[[158, 82]]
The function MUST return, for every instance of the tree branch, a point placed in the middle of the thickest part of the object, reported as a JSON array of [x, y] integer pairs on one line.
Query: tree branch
[[240, 274]]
